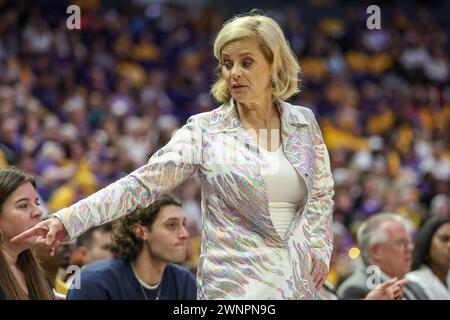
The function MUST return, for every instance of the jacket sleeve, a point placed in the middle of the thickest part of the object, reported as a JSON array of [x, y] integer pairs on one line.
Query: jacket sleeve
[[166, 169], [320, 209]]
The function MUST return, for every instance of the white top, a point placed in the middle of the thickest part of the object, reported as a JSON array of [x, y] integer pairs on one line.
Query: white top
[[287, 191], [430, 283]]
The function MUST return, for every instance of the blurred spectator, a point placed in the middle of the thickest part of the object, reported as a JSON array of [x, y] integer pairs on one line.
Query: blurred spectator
[[437, 162], [431, 259], [341, 263], [440, 206], [385, 244], [93, 245], [136, 141], [10, 141]]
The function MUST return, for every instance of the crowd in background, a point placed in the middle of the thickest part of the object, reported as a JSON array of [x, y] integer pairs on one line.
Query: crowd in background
[[82, 108]]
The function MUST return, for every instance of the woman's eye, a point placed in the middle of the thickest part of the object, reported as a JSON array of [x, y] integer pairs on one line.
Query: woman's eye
[[227, 65], [24, 206], [246, 64]]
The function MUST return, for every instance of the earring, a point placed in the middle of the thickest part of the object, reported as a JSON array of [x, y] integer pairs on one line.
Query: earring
[[1, 235]]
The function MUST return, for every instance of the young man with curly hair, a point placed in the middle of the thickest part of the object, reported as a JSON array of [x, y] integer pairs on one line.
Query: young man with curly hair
[[147, 245]]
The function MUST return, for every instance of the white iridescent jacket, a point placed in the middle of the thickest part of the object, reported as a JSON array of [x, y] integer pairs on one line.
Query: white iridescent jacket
[[242, 255]]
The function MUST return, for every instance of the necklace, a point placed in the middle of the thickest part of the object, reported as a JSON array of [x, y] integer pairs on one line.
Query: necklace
[[144, 294]]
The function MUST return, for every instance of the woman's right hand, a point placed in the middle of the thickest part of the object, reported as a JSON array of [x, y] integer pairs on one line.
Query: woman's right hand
[[47, 234]]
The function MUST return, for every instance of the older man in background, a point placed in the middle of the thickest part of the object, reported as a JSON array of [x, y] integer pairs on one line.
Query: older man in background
[[386, 249]]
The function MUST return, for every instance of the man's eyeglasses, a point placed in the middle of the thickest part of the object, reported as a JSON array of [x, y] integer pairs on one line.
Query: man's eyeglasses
[[404, 243]]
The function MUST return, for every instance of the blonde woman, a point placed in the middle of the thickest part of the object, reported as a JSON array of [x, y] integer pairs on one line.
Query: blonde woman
[[264, 170]]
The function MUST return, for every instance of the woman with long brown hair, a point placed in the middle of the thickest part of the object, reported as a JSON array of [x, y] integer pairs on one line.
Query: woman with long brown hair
[[21, 278]]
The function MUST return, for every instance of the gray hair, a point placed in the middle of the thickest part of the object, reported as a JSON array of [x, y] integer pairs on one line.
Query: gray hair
[[371, 233]]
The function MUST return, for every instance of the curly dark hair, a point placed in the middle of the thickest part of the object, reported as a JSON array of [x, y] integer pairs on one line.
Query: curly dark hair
[[421, 254], [126, 245]]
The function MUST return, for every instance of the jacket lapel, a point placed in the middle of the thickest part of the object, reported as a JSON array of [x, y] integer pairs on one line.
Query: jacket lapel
[[296, 139], [297, 145], [224, 120]]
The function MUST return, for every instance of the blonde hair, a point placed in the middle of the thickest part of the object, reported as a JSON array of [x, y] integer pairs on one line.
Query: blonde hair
[[274, 47]]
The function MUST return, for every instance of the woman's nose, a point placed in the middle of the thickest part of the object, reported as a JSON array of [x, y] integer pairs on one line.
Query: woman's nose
[[235, 72], [37, 212]]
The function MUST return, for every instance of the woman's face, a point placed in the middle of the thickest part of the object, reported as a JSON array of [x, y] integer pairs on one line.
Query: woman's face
[[440, 247], [246, 71], [20, 211]]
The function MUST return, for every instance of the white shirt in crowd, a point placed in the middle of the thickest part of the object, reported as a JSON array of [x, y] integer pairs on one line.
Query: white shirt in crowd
[[431, 284]]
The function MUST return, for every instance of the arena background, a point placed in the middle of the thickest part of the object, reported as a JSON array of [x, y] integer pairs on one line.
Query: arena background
[[82, 108]]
